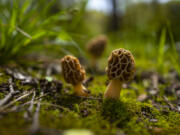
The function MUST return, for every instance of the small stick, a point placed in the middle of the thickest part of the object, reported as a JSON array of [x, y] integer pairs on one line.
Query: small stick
[[16, 100], [92, 98], [41, 96], [35, 125], [10, 95], [54, 105], [170, 105], [17, 108], [155, 81], [30, 109]]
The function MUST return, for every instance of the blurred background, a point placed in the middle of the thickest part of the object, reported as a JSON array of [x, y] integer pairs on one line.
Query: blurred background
[[49, 29]]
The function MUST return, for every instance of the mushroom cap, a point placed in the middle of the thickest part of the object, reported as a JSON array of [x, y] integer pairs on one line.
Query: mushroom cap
[[97, 45], [121, 65], [73, 72]]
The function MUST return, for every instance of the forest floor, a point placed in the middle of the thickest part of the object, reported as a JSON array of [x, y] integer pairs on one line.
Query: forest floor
[[36, 100]]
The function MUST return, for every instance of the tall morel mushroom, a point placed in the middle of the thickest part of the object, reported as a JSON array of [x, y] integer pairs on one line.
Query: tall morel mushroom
[[74, 74], [120, 69], [96, 48]]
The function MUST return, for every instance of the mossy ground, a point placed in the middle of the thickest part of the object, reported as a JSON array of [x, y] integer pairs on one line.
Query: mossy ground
[[63, 111]]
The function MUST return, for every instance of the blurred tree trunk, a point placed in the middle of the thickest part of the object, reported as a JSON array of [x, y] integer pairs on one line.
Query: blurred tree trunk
[[115, 18]]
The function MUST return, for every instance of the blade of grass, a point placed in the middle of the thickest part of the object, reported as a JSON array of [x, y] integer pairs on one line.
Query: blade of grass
[[79, 15], [3, 37], [25, 7], [161, 50], [53, 18], [174, 55], [24, 25], [174, 50], [175, 63], [48, 7], [12, 22]]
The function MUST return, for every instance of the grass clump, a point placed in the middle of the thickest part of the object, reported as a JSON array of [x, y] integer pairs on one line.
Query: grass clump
[[26, 25]]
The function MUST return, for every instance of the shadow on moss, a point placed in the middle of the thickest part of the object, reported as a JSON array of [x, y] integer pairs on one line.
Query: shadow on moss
[[116, 111], [68, 100]]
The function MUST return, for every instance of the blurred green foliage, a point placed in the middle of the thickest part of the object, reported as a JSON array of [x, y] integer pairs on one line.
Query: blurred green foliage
[[30, 23], [55, 28]]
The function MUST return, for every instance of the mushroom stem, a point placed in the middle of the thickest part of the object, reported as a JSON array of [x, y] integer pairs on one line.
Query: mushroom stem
[[80, 90], [94, 62], [113, 89]]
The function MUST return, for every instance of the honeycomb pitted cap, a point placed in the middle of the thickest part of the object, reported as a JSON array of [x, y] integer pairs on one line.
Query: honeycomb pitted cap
[[97, 45], [73, 72], [121, 65]]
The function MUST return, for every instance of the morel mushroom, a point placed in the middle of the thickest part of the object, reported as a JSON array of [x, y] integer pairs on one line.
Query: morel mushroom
[[120, 69], [74, 74], [96, 48]]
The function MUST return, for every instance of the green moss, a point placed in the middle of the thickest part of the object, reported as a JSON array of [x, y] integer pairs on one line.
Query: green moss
[[106, 117], [98, 85], [1, 95], [3, 77], [116, 111], [22, 87], [13, 123]]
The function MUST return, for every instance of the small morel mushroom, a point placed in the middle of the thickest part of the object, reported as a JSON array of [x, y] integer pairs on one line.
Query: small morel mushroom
[[96, 48], [74, 74], [121, 68]]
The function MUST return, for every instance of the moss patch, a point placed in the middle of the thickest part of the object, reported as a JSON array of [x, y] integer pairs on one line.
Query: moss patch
[[63, 110]]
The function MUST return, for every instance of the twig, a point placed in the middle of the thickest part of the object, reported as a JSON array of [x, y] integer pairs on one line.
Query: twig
[[35, 125], [16, 100], [92, 98], [170, 105], [42, 103], [41, 96], [10, 95], [155, 81], [54, 105], [20, 107], [30, 109]]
